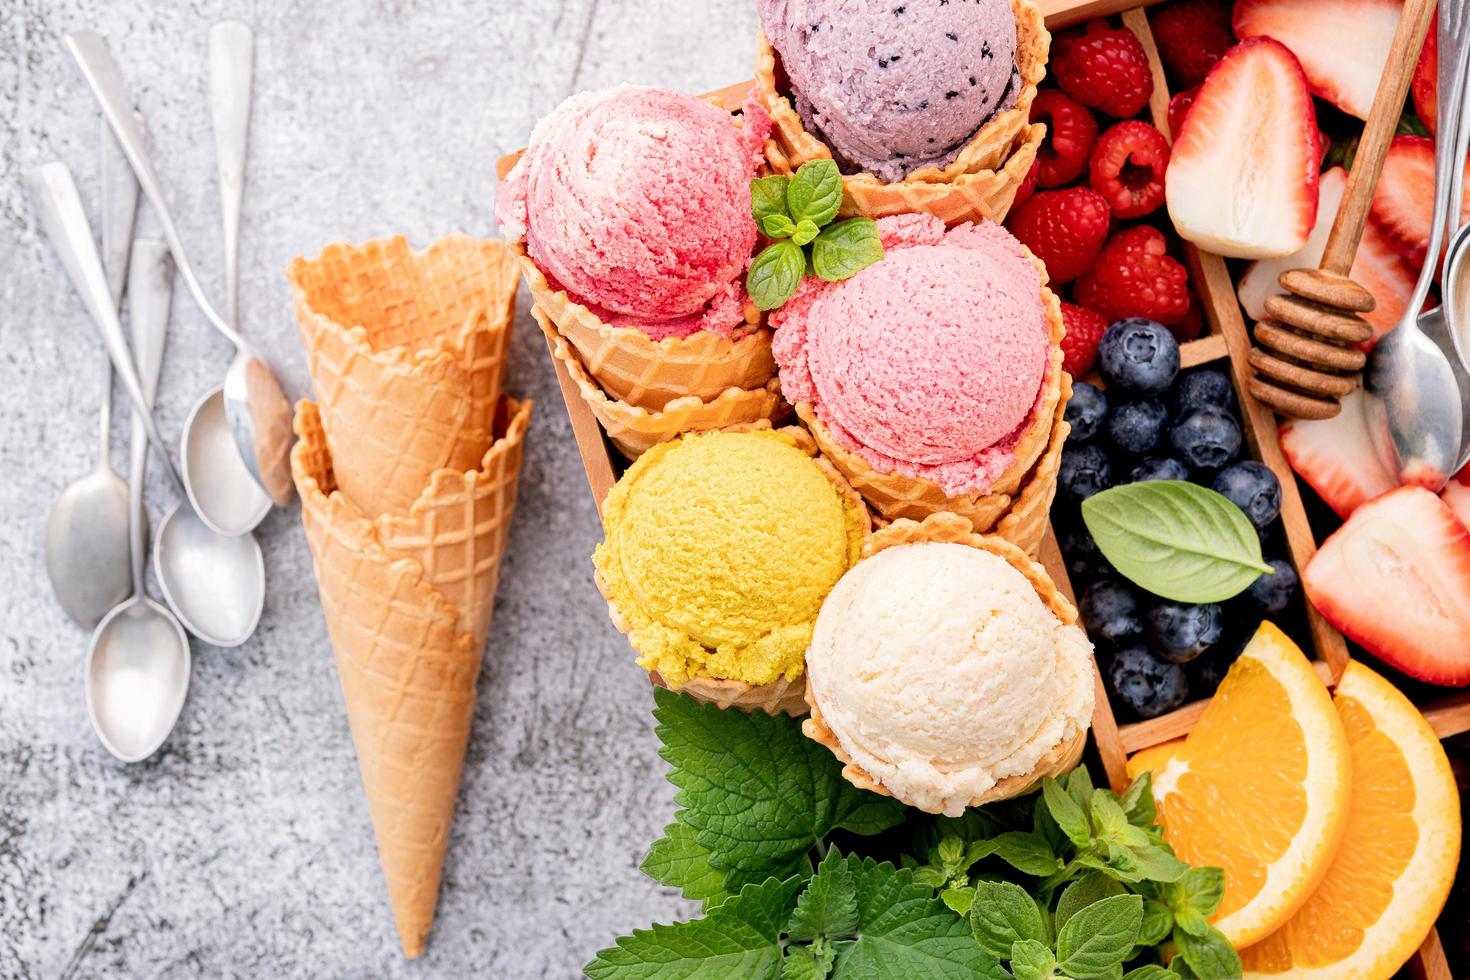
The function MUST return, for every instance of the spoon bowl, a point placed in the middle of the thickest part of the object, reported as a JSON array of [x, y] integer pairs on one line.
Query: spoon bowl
[[225, 494], [87, 546], [1414, 409], [137, 676], [214, 584], [259, 416]]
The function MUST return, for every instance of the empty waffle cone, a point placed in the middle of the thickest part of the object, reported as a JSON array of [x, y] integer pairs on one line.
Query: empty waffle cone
[[406, 352], [407, 601], [954, 529], [638, 370], [635, 429]]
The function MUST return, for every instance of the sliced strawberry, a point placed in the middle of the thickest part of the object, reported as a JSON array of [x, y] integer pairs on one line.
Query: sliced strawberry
[[1380, 270], [1242, 178], [1403, 202], [1336, 457], [1424, 86], [1343, 45], [1456, 496], [1396, 579]]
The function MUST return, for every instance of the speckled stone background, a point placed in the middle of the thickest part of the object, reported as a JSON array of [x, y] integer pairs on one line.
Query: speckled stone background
[[244, 848]]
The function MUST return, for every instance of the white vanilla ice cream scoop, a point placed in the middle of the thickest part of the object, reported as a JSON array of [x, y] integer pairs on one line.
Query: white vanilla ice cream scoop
[[940, 671]]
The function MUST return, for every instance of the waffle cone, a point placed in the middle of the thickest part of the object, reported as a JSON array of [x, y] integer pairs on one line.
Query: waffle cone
[[406, 351], [1026, 522], [954, 529], [407, 600], [635, 369], [634, 429]]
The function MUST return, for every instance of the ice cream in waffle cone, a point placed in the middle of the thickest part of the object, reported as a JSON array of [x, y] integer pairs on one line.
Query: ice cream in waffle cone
[[407, 599], [406, 351], [946, 679]]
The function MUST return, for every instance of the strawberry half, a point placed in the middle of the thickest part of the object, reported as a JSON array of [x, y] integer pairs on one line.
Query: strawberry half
[[1343, 45], [1242, 179], [1336, 457], [1424, 86], [1384, 273], [1403, 201], [1456, 496], [1396, 579]]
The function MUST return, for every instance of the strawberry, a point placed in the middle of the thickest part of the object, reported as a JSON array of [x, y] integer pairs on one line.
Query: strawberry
[[1134, 276], [1404, 198], [1242, 178], [1127, 168], [1424, 86], [1064, 229], [1070, 133], [1084, 331], [1456, 495], [1342, 44], [1191, 35], [1179, 105], [1027, 187], [1105, 68], [1396, 579], [1391, 280], [1336, 457]]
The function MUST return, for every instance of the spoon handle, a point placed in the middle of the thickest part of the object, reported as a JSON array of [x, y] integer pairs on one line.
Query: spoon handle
[[119, 206], [65, 223], [150, 287], [231, 52]]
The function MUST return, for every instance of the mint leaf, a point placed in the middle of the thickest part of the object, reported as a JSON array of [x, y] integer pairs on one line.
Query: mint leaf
[[1044, 825], [1110, 820], [1138, 802], [1150, 971], [1176, 539], [739, 938], [808, 962], [828, 907], [1024, 852], [774, 274], [1192, 922], [1032, 960], [768, 197], [1157, 922], [1079, 785], [1100, 936], [777, 226], [1199, 889], [1179, 968], [1086, 890], [1066, 811], [1210, 955], [846, 247], [677, 859], [1157, 862], [1002, 915], [958, 900], [815, 192], [805, 231]]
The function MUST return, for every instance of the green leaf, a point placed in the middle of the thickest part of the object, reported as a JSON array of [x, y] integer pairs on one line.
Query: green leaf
[[1067, 812], [1079, 784], [1200, 889], [777, 226], [1179, 968], [1086, 890], [768, 197], [1176, 539], [758, 793], [1107, 816], [846, 247], [1100, 936], [774, 274], [805, 231], [1137, 802], [739, 938], [1149, 971], [808, 962], [1044, 825], [1210, 955], [1192, 922], [828, 907], [677, 859], [958, 900], [1024, 852], [1157, 862], [1032, 960], [815, 193], [1157, 922], [1003, 914]]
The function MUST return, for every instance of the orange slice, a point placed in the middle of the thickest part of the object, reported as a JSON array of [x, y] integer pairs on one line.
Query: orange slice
[[1152, 759], [1260, 787], [1397, 861]]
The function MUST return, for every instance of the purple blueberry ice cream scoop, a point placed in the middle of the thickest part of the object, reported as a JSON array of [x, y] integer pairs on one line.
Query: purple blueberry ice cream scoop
[[895, 85]]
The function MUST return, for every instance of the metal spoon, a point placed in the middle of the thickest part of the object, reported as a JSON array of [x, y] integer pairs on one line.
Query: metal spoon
[[138, 662], [257, 409], [87, 532], [1413, 403], [220, 487]]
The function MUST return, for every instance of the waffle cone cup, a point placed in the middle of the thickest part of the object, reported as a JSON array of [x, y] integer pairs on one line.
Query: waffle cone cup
[[406, 351], [635, 429], [1024, 525], [407, 599], [954, 529], [638, 370]]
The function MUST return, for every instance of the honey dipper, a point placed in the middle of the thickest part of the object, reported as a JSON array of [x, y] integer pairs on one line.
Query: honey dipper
[[1306, 356]]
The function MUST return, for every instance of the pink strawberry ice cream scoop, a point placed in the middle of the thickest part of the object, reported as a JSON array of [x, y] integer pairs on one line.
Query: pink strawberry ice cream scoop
[[636, 201], [930, 361]]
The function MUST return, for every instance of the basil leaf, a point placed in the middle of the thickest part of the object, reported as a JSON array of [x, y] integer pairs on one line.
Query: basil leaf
[[1100, 936], [1200, 889], [805, 231], [777, 226], [1032, 960], [1087, 890], [1210, 955], [1002, 915], [1175, 539], [1158, 921], [768, 197], [1022, 851], [1150, 971], [1137, 802], [815, 192], [775, 274], [1066, 812], [846, 247]]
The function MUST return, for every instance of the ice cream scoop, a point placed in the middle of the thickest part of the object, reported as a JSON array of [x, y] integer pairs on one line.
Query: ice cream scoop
[[940, 671], [719, 550], [637, 202], [929, 362], [892, 87]]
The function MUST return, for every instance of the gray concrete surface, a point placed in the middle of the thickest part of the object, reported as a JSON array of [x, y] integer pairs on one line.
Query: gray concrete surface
[[244, 847]]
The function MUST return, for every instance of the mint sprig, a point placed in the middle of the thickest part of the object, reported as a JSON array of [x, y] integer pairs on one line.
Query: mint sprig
[[797, 213]]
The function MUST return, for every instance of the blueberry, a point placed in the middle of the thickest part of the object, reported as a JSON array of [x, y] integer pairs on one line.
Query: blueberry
[[1271, 594], [1206, 439], [1086, 412], [1137, 428], [1085, 561], [1145, 684], [1159, 468], [1139, 355], [1201, 387], [1085, 470], [1253, 488], [1110, 613], [1179, 632], [1208, 670]]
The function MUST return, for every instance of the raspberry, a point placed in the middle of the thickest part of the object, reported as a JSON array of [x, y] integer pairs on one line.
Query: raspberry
[[1084, 331], [1070, 133], [1128, 166], [1191, 35], [1134, 276], [1179, 106], [1027, 186], [1104, 68], [1064, 229], [1193, 322]]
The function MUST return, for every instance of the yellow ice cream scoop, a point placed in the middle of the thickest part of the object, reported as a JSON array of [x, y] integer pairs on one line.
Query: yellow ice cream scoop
[[719, 550]]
